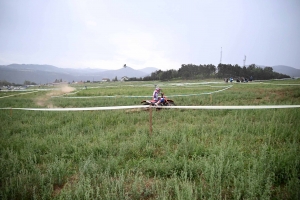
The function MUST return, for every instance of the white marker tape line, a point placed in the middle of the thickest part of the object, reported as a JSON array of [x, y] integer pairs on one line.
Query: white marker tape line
[[49, 89], [28, 90], [79, 109], [13, 90], [292, 84], [168, 107], [183, 95], [17, 94], [90, 97], [144, 85], [178, 95], [192, 85], [232, 107], [200, 83], [66, 94]]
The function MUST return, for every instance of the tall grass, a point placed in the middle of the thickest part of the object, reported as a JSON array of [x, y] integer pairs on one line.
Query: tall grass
[[191, 154]]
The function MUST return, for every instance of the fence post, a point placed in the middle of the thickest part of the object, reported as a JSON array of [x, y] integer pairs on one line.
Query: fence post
[[150, 120]]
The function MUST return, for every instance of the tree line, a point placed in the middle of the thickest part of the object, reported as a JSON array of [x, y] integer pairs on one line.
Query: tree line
[[225, 71], [192, 71], [6, 83]]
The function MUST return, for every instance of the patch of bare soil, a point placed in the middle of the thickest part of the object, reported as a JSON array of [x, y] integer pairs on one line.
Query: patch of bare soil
[[58, 188], [60, 90]]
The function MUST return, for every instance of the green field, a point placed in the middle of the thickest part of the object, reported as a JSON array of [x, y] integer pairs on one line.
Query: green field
[[190, 154]]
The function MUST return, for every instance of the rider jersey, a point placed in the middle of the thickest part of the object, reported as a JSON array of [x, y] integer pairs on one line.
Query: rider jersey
[[155, 95]]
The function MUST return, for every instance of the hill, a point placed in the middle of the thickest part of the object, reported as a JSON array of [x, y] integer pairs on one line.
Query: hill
[[149, 70], [41, 74], [283, 69], [128, 71], [292, 72]]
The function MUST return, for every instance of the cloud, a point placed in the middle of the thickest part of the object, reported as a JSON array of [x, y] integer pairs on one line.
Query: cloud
[[137, 49], [142, 48], [106, 34], [91, 24]]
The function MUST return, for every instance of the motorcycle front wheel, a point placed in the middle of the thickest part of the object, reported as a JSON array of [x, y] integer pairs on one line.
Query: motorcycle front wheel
[[170, 104]]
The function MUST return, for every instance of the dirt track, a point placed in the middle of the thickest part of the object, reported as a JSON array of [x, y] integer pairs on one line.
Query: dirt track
[[59, 90]]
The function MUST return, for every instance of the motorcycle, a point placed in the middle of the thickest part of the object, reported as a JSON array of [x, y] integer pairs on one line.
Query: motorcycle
[[166, 102]]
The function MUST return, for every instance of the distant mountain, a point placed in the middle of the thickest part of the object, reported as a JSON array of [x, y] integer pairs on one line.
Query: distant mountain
[[50, 68], [128, 71], [18, 76], [149, 70], [41, 74], [282, 69], [292, 72]]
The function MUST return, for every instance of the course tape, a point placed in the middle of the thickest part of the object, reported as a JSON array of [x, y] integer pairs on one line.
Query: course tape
[[233, 107], [290, 84], [17, 94], [63, 95], [184, 95], [168, 107], [79, 109], [124, 96]]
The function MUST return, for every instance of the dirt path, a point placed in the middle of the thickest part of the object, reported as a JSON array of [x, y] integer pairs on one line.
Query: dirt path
[[59, 90]]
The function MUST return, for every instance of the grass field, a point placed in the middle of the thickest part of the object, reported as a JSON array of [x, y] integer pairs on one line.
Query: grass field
[[191, 154]]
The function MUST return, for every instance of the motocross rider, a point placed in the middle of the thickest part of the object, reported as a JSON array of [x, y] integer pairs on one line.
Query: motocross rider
[[155, 96]]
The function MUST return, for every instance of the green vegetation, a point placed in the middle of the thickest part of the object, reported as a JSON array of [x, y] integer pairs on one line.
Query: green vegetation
[[29, 83], [6, 83], [191, 154], [192, 71]]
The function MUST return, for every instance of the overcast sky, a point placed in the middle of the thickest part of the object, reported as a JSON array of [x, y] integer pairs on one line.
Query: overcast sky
[[158, 33]]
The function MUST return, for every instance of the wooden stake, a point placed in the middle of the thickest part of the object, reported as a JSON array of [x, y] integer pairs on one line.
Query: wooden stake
[[150, 120]]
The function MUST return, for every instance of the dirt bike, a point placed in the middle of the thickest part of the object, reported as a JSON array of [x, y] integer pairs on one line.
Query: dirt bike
[[167, 102]]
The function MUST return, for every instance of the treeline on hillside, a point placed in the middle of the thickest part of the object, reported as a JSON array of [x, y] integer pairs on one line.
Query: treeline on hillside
[[6, 83], [227, 71], [192, 71]]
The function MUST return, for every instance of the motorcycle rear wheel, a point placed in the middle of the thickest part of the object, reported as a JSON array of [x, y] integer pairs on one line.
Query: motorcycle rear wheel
[[169, 103]]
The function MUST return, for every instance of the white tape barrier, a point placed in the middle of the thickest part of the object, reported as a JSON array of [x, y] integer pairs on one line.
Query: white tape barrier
[[232, 107], [168, 107], [63, 95], [183, 95], [116, 96], [153, 85], [36, 89], [91, 97], [123, 96], [283, 84], [80, 109], [201, 83], [17, 94]]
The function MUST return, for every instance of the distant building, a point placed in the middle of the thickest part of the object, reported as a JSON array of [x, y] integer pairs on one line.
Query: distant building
[[59, 83], [105, 80], [124, 78]]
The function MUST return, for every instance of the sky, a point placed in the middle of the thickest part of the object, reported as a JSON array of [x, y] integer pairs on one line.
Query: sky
[[160, 33]]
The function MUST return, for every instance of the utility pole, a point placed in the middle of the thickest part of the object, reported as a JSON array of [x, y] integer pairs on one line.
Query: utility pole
[[245, 61], [221, 56]]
